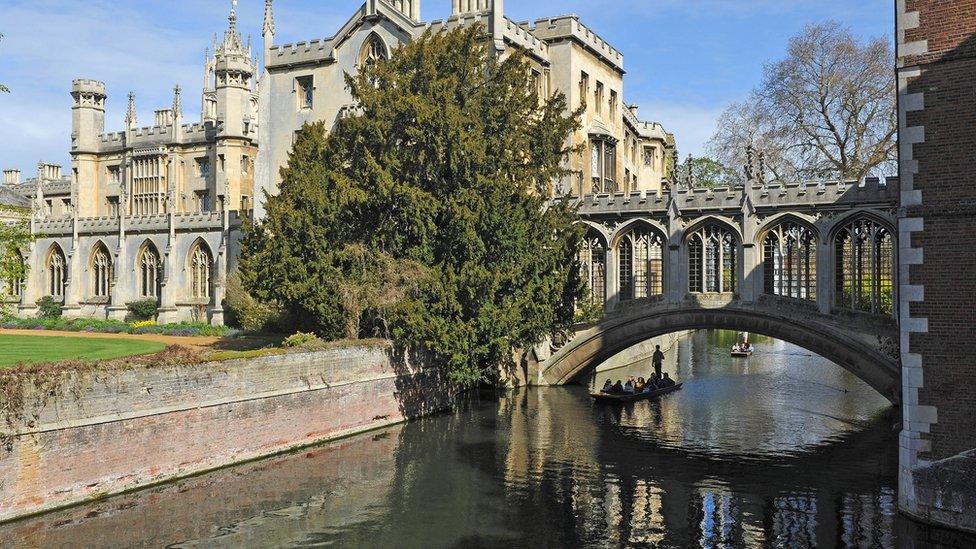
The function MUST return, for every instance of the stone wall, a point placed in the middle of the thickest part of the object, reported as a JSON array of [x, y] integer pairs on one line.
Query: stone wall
[[102, 432]]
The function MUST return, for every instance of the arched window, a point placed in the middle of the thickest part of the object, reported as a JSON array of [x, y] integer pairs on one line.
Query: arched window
[[150, 267], [712, 253], [374, 51], [790, 261], [101, 270], [200, 272], [15, 287], [865, 267], [641, 254], [57, 273], [593, 262]]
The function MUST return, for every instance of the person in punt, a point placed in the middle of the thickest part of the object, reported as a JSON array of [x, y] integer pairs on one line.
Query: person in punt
[[639, 386], [607, 387], [629, 386], [617, 387], [667, 381]]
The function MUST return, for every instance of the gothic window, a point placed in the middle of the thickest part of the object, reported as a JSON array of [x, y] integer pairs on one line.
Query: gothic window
[[593, 263], [648, 157], [613, 104], [150, 272], [57, 273], [865, 267], [603, 165], [598, 97], [584, 89], [790, 261], [374, 51], [712, 253], [203, 167], [641, 254], [101, 272], [15, 287], [149, 185], [201, 263]]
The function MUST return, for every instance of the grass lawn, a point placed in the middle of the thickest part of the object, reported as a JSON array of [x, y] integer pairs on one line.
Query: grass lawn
[[25, 348]]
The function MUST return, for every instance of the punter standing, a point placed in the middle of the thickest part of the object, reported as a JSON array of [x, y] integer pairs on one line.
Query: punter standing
[[657, 360]]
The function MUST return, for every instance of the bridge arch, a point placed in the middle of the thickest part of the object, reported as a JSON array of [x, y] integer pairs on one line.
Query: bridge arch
[[859, 347]]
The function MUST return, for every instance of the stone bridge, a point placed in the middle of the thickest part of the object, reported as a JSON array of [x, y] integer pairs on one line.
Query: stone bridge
[[811, 264]]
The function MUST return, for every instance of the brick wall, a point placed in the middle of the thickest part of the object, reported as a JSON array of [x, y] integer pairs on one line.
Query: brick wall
[[937, 248], [108, 432]]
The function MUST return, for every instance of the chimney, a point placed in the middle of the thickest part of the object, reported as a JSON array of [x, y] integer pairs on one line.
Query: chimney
[[164, 117], [11, 177], [48, 172]]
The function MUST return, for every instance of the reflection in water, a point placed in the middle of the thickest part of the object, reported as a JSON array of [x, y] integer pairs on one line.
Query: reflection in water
[[781, 449]]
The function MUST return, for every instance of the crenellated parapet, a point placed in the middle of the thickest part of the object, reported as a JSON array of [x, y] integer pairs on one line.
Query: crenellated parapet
[[571, 28]]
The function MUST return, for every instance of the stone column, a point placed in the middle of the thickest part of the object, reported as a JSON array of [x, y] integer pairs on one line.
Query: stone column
[[611, 279], [825, 275], [71, 308], [169, 287]]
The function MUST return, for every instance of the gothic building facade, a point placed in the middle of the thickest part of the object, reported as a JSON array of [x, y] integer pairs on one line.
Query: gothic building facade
[[155, 212], [149, 212]]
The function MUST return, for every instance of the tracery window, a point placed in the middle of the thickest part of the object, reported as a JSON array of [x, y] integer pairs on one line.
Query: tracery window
[[149, 185], [200, 272], [593, 263], [101, 270], [712, 252], [57, 273], [790, 261], [150, 270], [641, 254], [864, 252], [15, 287], [603, 164], [374, 51]]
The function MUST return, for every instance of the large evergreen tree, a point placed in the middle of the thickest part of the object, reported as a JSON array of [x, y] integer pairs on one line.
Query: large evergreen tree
[[424, 217]]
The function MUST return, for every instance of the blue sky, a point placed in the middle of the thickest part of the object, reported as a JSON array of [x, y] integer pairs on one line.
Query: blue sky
[[686, 59]]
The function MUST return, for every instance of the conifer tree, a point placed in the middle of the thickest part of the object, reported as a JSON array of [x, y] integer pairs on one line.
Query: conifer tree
[[426, 218]]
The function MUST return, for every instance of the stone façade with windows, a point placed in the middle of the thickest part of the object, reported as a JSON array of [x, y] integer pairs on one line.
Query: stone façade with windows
[[305, 82], [149, 212]]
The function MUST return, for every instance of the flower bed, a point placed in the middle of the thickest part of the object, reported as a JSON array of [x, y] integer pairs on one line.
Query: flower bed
[[91, 325]]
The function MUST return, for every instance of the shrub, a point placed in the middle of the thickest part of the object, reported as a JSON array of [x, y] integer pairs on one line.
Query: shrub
[[300, 339], [143, 324], [246, 312], [144, 309], [48, 307]]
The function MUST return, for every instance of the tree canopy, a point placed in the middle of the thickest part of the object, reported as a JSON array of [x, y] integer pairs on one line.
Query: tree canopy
[[705, 173], [14, 240], [826, 110], [425, 217]]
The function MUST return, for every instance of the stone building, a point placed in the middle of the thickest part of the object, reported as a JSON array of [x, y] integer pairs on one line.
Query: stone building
[[149, 212], [304, 82], [155, 212]]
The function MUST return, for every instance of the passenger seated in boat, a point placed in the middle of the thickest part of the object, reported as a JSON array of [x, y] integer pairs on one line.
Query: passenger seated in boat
[[617, 387], [629, 386], [639, 386], [607, 387], [667, 381]]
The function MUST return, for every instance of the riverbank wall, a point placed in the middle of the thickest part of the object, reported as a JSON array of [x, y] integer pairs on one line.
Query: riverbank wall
[[92, 433], [643, 351]]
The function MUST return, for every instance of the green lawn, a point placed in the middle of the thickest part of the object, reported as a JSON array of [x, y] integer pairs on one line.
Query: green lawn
[[18, 348]]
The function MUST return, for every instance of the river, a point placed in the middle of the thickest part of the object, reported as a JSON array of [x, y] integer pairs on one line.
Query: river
[[782, 449]]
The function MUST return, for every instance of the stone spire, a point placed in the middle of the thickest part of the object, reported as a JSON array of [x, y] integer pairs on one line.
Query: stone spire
[[130, 114], [177, 102], [232, 18], [269, 23]]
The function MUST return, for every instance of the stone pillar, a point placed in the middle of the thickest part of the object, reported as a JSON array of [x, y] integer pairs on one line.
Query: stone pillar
[[611, 279], [825, 275], [747, 271], [169, 287], [74, 290]]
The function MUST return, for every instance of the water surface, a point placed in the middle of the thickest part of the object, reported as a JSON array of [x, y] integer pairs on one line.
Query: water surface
[[783, 449]]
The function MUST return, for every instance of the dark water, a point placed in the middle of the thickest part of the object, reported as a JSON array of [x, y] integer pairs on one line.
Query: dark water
[[783, 449]]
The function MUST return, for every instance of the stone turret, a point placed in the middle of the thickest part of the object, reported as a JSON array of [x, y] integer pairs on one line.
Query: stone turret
[[87, 114], [495, 10], [409, 8], [234, 72]]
